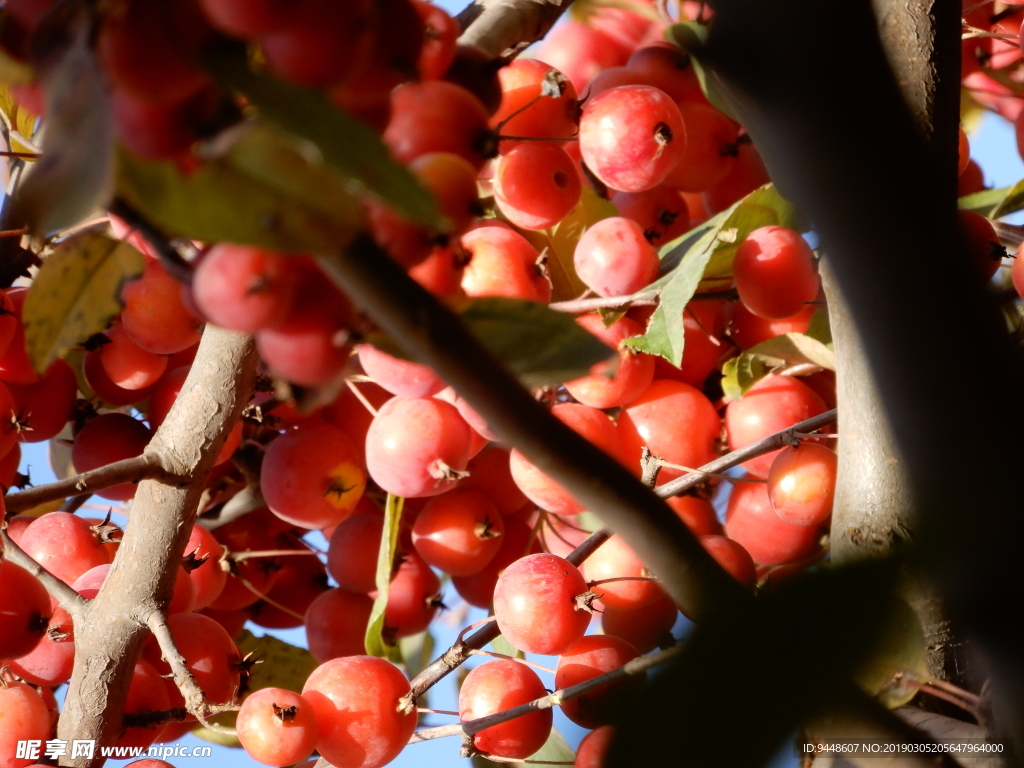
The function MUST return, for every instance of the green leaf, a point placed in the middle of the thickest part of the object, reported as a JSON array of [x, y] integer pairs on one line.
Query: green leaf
[[995, 203], [260, 188], [345, 143], [282, 665], [376, 645], [76, 294], [703, 253], [541, 346], [692, 38], [74, 176], [560, 243], [556, 749], [504, 647], [417, 653], [742, 372]]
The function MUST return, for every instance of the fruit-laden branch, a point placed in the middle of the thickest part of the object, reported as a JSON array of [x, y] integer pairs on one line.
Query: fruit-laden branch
[[430, 332], [145, 467], [66, 597], [450, 660], [505, 27], [469, 727], [140, 583]]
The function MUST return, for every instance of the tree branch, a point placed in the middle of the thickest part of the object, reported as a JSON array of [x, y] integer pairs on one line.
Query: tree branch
[[505, 27], [134, 470], [141, 581], [66, 597]]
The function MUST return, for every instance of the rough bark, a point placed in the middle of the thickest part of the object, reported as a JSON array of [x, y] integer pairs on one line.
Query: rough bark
[[505, 27], [875, 510], [881, 207], [110, 636]]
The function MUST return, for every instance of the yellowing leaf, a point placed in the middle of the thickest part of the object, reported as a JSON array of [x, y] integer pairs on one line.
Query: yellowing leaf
[[76, 294], [281, 665], [261, 188]]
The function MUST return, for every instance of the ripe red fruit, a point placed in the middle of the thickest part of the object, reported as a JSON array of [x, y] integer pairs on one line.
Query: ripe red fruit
[[802, 483], [400, 377], [774, 272], [301, 580], [618, 382], [667, 68], [108, 438], [676, 421], [242, 287], [631, 137], [710, 149], [9, 320], [615, 559], [52, 660], [209, 653], [747, 174], [438, 116], [336, 624], [594, 655], [499, 685], [245, 18], [503, 263], [154, 315], [25, 611], [769, 539], [417, 447], [697, 513], [489, 473], [614, 258], [747, 329], [312, 477], [64, 544], [536, 185], [581, 52], [356, 704], [774, 403], [277, 727], [646, 627], [414, 596], [982, 242], [732, 557], [593, 748], [321, 43], [104, 388], [25, 718], [438, 49], [142, 51], [518, 541], [15, 367], [524, 111], [45, 407], [250, 533], [660, 211], [459, 532], [352, 554], [128, 365], [208, 578], [536, 605], [590, 423], [348, 413]]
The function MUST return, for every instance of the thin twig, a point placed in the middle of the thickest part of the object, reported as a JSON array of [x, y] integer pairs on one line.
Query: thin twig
[[134, 470], [470, 727], [360, 396], [719, 475], [66, 597], [241, 556]]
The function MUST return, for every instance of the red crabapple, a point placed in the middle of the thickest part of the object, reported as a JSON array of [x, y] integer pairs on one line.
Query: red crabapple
[[489, 473], [45, 407], [747, 174], [581, 52], [595, 655], [25, 718], [245, 18], [517, 542], [397, 376], [417, 447], [414, 596], [208, 578], [613, 384], [154, 315], [499, 685], [646, 627], [593, 748], [774, 272], [710, 149], [336, 624], [438, 49], [51, 662], [503, 263], [242, 287], [669, 69], [697, 513], [661, 212], [312, 477], [459, 532], [64, 544], [277, 727], [614, 258], [615, 559], [747, 329], [802, 483], [127, 364], [25, 611], [301, 580], [631, 137], [982, 242], [536, 185], [525, 112], [352, 554], [539, 604], [732, 557], [774, 403], [356, 703], [108, 438], [770, 540]]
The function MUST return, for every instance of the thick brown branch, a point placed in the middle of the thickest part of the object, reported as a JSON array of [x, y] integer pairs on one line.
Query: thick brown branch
[[152, 719], [504, 27], [66, 597], [134, 470], [630, 668]]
